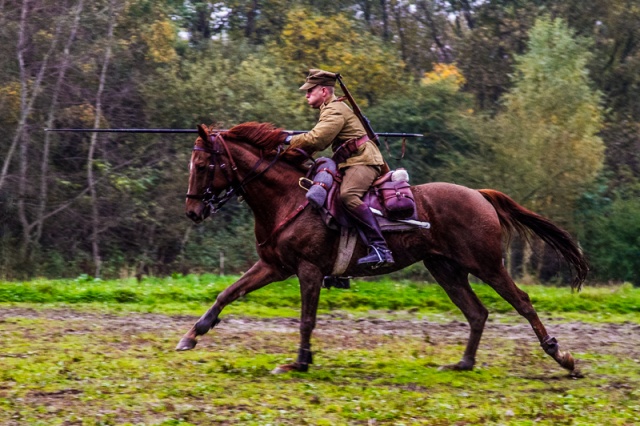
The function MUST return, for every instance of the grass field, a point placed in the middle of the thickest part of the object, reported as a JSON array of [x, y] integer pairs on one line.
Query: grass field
[[101, 353]]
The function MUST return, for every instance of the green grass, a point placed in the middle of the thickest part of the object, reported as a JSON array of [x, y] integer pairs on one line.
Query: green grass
[[190, 294], [101, 353]]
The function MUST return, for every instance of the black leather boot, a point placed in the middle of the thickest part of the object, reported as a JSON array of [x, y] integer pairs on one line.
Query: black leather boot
[[379, 254]]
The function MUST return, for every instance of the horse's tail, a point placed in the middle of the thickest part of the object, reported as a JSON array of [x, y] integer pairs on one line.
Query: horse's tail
[[514, 217]]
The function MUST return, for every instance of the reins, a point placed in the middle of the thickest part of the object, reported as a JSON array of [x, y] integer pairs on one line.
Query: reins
[[234, 184]]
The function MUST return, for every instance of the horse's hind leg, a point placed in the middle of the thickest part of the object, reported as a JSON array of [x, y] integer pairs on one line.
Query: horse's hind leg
[[456, 283], [505, 287], [259, 275]]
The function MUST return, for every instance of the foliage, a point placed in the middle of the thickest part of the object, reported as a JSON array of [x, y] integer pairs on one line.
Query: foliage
[[444, 72], [178, 64], [615, 66], [213, 87], [486, 51], [441, 111], [335, 43], [549, 125], [612, 237]]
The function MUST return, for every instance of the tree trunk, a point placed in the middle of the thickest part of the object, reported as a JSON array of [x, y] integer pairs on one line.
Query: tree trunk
[[465, 8], [21, 136], [386, 34], [91, 180], [527, 254], [399, 25], [250, 28], [445, 54], [26, 101], [2, 2], [366, 12], [22, 46], [44, 168], [22, 195]]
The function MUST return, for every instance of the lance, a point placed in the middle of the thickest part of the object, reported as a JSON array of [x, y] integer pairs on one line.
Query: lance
[[291, 132]]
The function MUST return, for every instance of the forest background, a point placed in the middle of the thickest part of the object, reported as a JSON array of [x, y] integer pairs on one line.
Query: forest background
[[538, 99]]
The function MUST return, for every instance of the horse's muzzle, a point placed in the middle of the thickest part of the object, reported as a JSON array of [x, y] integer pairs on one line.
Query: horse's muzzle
[[197, 211], [197, 218]]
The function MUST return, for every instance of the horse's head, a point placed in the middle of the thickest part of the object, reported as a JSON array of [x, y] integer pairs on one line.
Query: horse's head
[[211, 171]]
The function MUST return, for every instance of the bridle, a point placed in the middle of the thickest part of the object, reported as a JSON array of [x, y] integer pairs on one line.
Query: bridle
[[235, 185]]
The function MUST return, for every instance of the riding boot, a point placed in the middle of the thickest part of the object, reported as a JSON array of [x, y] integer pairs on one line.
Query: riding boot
[[379, 254]]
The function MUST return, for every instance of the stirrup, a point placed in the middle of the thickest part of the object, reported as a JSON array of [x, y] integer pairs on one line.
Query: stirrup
[[377, 257]]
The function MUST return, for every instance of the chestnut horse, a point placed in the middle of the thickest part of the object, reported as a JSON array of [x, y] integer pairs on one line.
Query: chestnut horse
[[466, 234]]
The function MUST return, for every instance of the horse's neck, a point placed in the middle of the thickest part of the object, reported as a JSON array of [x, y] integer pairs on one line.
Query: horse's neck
[[273, 194]]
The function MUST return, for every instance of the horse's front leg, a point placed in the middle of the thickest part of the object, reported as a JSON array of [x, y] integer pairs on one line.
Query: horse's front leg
[[310, 279], [257, 277]]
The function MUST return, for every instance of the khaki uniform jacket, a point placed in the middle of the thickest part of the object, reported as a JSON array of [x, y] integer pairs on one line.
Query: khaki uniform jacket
[[337, 124]]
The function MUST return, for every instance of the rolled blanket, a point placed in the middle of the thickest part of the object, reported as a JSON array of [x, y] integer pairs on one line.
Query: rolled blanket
[[323, 180], [400, 174]]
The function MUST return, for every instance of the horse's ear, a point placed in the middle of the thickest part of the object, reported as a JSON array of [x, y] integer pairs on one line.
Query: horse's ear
[[203, 133]]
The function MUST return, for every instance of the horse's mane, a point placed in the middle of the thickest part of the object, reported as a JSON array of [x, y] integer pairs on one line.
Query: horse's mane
[[268, 137], [261, 135]]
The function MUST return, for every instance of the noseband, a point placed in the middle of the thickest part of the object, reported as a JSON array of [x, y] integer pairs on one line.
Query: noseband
[[235, 185]]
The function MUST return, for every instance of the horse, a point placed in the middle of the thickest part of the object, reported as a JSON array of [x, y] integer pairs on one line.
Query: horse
[[466, 237]]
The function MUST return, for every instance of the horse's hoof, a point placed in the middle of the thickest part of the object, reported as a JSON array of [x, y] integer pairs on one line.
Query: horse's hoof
[[460, 366], [287, 368], [567, 361], [576, 374], [186, 344], [281, 369]]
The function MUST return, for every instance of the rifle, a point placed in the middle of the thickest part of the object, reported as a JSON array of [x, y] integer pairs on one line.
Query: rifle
[[292, 132], [356, 110]]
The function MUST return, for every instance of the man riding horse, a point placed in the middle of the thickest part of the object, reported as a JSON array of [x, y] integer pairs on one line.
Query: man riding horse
[[359, 159]]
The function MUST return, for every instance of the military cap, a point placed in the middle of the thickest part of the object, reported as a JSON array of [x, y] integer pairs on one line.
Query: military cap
[[319, 77]]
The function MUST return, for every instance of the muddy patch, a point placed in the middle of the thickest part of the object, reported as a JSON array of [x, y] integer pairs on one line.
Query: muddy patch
[[602, 338]]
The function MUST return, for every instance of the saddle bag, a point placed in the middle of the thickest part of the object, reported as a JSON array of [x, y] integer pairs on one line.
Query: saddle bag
[[397, 199]]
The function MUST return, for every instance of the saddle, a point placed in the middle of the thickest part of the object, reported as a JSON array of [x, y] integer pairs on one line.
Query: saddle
[[390, 198]]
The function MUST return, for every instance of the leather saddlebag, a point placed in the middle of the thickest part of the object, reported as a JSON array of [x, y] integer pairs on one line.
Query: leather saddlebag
[[397, 199]]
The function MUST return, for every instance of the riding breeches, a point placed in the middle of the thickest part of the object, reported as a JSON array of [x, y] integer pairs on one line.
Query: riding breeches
[[356, 181]]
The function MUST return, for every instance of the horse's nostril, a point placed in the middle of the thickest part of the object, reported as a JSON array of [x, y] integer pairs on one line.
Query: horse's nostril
[[192, 215]]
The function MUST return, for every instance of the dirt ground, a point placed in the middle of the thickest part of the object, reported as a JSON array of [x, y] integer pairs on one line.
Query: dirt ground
[[508, 345], [621, 339]]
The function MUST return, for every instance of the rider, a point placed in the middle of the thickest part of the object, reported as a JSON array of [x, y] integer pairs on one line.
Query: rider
[[339, 127]]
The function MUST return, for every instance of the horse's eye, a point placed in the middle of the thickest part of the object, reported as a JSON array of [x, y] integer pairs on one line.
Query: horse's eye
[[200, 167]]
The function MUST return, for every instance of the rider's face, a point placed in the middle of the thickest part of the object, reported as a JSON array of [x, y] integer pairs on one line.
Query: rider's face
[[316, 96]]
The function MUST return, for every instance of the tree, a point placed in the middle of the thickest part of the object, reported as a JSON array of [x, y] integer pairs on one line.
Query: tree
[[216, 86], [615, 67], [335, 43], [438, 108], [611, 236], [544, 146], [486, 44]]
